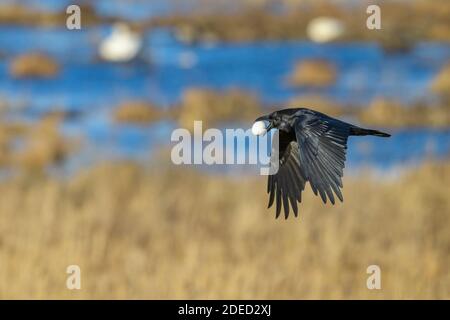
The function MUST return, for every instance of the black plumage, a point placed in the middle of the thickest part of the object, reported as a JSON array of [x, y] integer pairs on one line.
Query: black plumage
[[312, 148]]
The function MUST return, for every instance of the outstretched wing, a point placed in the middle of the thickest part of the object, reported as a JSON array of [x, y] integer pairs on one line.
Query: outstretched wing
[[288, 183], [322, 147]]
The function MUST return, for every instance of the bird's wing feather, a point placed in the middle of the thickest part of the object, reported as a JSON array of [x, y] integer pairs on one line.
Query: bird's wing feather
[[287, 184], [322, 150]]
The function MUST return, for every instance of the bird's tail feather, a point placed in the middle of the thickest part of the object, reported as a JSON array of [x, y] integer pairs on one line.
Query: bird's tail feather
[[357, 131]]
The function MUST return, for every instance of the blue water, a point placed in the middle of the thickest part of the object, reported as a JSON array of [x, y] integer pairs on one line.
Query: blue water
[[93, 88], [262, 67]]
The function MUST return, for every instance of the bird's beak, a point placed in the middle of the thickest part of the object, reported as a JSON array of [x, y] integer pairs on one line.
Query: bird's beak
[[261, 126]]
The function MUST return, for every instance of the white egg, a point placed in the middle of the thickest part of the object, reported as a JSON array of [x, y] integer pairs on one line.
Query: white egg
[[259, 128]]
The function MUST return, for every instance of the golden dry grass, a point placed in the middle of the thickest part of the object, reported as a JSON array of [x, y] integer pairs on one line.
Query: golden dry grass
[[171, 232]]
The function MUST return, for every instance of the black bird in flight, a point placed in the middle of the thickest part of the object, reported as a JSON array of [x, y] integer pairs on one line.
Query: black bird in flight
[[311, 148]]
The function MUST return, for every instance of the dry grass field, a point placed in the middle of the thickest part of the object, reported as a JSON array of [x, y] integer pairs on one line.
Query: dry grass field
[[164, 232]]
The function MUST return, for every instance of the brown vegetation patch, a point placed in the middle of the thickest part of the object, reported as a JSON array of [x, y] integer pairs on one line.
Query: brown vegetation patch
[[318, 103], [8, 133], [18, 14], [43, 146], [213, 107], [34, 65], [313, 73], [403, 23], [137, 112], [441, 83], [388, 113]]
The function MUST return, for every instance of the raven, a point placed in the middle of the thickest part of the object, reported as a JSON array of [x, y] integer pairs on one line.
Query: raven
[[312, 148]]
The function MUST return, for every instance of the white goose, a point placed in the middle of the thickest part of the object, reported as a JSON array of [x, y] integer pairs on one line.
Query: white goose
[[325, 29], [122, 45]]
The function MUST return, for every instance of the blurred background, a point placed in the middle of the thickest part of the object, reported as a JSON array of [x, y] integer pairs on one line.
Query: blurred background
[[85, 173]]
